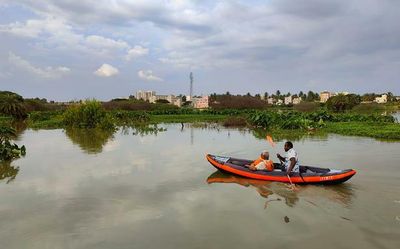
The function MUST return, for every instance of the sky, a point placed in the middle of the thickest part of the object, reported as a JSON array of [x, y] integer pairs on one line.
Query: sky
[[69, 50]]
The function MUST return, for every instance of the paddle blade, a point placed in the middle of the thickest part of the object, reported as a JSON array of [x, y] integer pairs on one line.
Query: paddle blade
[[270, 141]]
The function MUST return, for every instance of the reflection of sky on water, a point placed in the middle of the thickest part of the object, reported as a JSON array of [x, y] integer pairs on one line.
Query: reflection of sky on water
[[150, 191], [397, 116]]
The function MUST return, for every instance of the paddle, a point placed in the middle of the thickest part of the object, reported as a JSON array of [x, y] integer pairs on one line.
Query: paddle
[[269, 139]]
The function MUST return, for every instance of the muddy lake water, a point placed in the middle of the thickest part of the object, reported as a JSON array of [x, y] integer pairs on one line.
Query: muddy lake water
[[80, 189]]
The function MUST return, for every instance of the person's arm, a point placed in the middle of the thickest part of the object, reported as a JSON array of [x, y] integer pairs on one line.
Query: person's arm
[[292, 163], [281, 158], [252, 167]]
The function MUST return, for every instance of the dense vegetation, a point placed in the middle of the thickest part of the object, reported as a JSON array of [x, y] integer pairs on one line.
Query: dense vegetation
[[89, 114], [12, 104], [248, 111], [9, 150], [341, 103], [312, 120], [236, 102]]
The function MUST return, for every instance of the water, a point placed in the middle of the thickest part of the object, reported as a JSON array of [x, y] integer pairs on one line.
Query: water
[[94, 190], [396, 115]]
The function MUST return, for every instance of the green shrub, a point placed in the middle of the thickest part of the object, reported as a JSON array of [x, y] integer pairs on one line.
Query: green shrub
[[8, 150], [12, 104], [342, 102], [131, 116], [89, 114]]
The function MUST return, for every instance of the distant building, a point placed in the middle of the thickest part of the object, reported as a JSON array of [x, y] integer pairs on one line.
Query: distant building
[[170, 98], [279, 102], [271, 101], [200, 102], [145, 95], [288, 100], [382, 99], [324, 96], [296, 100]]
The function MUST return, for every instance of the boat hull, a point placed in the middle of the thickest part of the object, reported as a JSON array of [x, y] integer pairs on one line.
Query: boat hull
[[311, 175]]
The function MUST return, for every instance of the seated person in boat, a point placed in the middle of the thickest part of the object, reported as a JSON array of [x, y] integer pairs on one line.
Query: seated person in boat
[[291, 160], [262, 163]]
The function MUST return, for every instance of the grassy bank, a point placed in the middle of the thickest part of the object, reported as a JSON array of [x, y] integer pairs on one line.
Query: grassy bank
[[366, 129], [369, 125]]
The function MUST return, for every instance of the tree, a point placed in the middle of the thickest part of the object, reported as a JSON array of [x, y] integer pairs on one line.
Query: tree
[[257, 96], [12, 104], [342, 102], [311, 96], [248, 95], [390, 97], [162, 101], [266, 95], [278, 93]]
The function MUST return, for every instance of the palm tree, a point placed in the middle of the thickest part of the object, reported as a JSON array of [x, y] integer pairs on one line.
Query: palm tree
[[12, 104]]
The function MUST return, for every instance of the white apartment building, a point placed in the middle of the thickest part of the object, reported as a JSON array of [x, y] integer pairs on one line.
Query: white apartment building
[[145, 95], [170, 98], [324, 96], [296, 100], [288, 100], [382, 99], [200, 102], [271, 100]]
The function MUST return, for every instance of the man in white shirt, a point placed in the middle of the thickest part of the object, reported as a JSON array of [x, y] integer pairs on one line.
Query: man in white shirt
[[291, 161]]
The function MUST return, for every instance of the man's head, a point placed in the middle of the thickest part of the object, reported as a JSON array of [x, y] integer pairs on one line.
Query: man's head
[[288, 146], [265, 155]]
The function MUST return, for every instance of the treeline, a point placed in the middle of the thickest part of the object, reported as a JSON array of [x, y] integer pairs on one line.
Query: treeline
[[309, 96], [225, 101]]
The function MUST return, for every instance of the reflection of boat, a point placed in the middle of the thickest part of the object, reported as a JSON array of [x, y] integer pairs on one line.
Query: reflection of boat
[[265, 189], [309, 174]]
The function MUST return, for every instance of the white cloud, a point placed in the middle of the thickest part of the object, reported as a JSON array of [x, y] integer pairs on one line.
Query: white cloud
[[47, 72], [58, 33], [148, 75], [106, 70], [103, 42], [136, 52]]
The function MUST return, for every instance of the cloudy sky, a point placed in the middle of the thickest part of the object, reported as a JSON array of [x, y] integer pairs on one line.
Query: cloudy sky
[[63, 49]]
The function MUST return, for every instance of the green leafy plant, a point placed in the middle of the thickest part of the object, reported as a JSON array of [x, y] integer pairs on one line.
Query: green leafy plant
[[8, 150], [12, 104], [89, 114]]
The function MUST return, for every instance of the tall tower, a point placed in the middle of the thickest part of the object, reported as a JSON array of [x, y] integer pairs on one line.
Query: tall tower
[[191, 86]]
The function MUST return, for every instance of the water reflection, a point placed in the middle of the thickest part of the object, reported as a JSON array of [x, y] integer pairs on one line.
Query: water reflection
[[341, 194], [264, 188], [294, 135], [90, 141], [8, 172], [142, 130]]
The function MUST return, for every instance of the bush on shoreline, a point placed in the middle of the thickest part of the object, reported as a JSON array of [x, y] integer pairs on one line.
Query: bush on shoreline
[[89, 114], [8, 150]]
